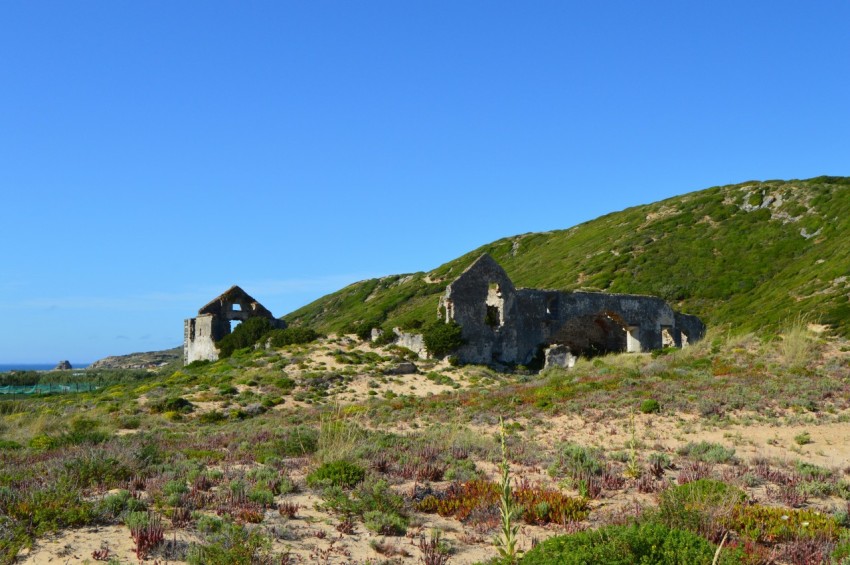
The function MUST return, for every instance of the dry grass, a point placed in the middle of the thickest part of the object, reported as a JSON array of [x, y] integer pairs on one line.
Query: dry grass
[[798, 346], [340, 432]]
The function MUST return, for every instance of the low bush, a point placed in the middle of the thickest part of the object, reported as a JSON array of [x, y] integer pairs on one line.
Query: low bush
[[119, 503], [650, 406], [291, 336], [538, 505], [211, 417], [228, 543], [387, 524], [244, 335], [577, 461], [291, 442], [382, 510], [178, 404], [708, 452], [9, 445], [769, 524], [803, 438], [339, 473], [702, 506], [442, 338], [648, 543]]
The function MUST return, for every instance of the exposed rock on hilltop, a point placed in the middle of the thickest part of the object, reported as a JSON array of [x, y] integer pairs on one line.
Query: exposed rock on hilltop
[[147, 360]]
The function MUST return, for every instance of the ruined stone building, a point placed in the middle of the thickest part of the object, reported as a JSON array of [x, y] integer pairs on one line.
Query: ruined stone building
[[506, 325], [213, 322]]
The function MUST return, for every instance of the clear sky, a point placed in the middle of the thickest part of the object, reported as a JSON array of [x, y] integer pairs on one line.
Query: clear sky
[[154, 153]]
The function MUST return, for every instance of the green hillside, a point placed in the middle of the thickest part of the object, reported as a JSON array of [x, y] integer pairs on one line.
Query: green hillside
[[749, 255]]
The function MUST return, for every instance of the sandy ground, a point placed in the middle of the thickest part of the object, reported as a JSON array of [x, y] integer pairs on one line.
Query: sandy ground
[[312, 537]]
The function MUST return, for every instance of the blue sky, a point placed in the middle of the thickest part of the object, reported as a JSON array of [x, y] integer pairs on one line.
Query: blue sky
[[154, 153]]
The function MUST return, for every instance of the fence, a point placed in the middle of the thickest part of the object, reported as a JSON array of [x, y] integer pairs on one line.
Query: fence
[[47, 388]]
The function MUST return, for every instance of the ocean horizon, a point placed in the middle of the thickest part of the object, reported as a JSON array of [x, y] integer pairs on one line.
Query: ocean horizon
[[6, 367]]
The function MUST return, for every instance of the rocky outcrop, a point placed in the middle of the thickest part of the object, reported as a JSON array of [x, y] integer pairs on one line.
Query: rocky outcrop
[[147, 360], [404, 368], [558, 356], [63, 366]]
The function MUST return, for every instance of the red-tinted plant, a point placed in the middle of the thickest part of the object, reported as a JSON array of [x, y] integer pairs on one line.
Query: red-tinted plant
[[381, 463], [147, 534], [787, 494], [693, 471], [612, 480], [288, 509], [647, 484], [432, 550], [249, 515], [101, 554], [181, 516], [540, 505], [346, 526]]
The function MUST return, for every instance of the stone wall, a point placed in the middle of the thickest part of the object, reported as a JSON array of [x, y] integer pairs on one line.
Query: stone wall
[[200, 334], [505, 325], [413, 342]]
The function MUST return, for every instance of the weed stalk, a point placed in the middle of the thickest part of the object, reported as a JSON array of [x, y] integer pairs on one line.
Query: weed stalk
[[506, 541]]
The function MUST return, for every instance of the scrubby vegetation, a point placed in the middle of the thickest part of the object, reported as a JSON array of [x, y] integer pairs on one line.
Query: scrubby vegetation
[[294, 445], [273, 454], [442, 338], [259, 331], [713, 253]]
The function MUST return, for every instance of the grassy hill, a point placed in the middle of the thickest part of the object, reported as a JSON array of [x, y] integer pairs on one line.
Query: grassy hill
[[750, 255]]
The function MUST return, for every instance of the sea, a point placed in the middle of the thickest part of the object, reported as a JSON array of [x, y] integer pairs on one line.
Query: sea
[[6, 367]]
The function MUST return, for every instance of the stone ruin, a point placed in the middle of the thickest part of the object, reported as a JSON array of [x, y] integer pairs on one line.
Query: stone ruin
[[213, 322], [504, 325]]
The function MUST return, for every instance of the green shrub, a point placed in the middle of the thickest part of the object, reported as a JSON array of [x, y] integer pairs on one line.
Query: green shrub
[[179, 405], [285, 384], [769, 524], [291, 336], [114, 505], [339, 473], [228, 543], [650, 406], [384, 523], [708, 452], [803, 438], [293, 442], [376, 495], [648, 543], [57, 507], [9, 445], [93, 469], [43, 442], [461, 470], [363, 328], [442, 338], [756, 199], [382, 509], [575, 461], [173, 490], [810, 471], [244, 335], [700, 506], [211, 417], [261, 495]]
